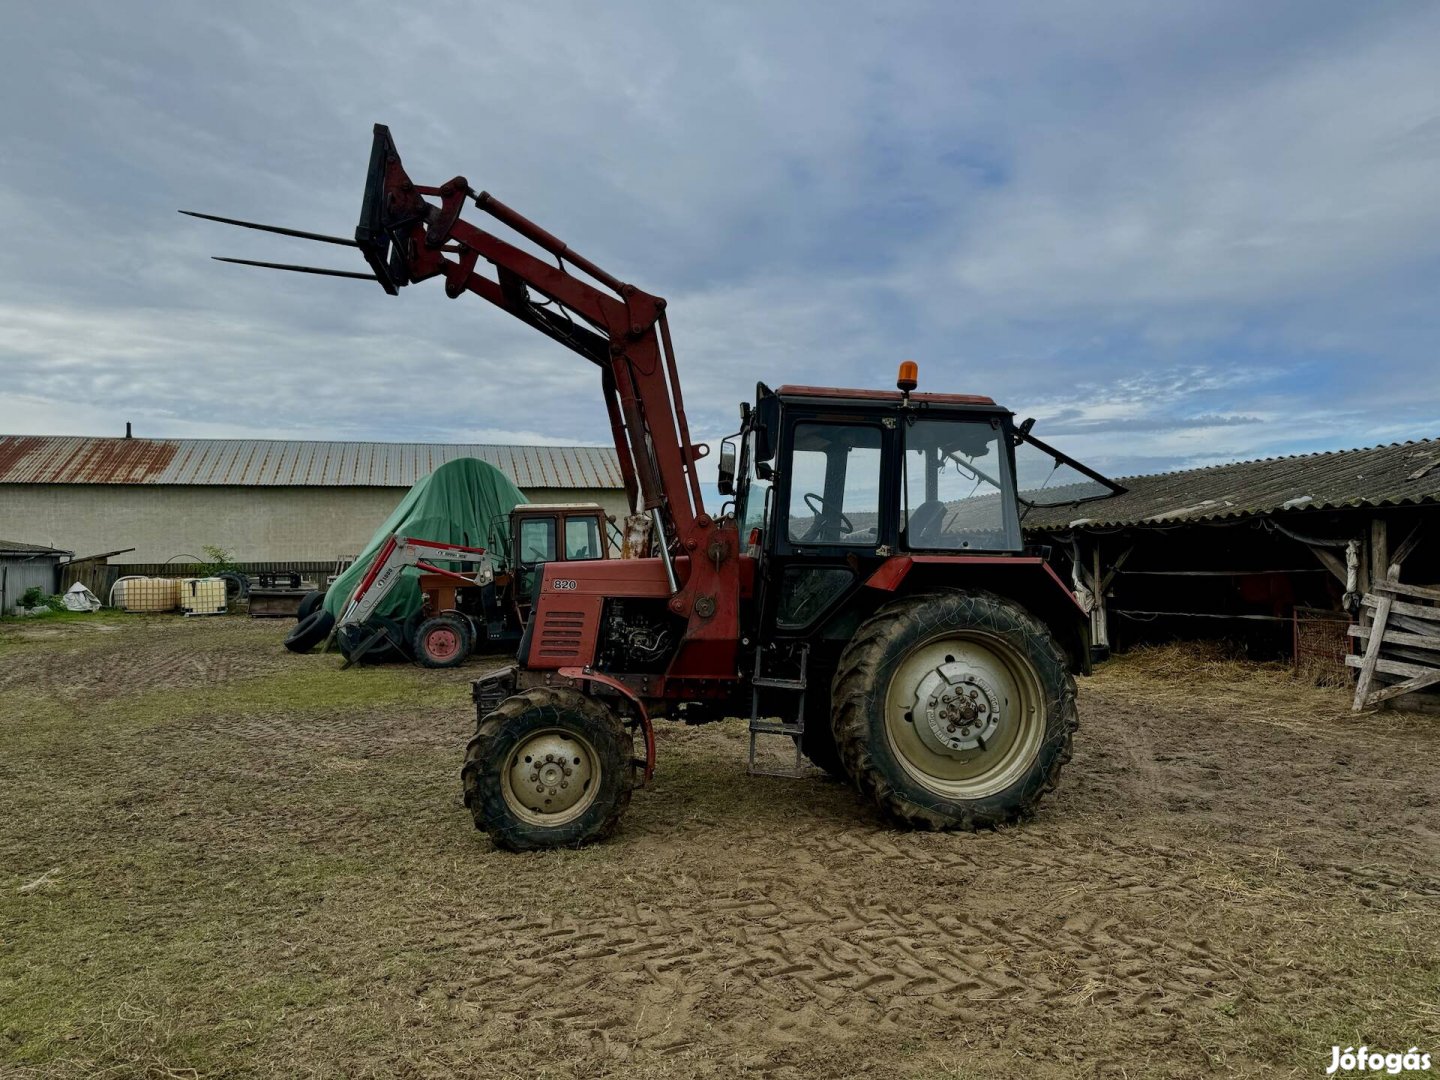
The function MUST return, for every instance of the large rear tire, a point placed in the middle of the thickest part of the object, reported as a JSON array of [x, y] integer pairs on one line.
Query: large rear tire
[[817, 742], [549, 768], [954, 710]]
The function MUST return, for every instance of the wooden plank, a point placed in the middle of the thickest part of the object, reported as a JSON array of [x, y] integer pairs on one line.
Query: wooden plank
[[1115, 569], [1392, 651], [1332, 562], [1393, 667], [1420, 682], [1415, 611], [1371, 659], [1397, 637], [1416, 626], [1424, 592], [1405, 548]]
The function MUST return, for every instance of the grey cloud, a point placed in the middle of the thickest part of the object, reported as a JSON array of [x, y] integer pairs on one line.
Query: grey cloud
[[1215, 225]]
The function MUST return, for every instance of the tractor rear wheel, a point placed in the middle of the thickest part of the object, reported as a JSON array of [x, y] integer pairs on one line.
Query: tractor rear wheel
[[954, 710], [548, 768], [443, 641], [817, 742]]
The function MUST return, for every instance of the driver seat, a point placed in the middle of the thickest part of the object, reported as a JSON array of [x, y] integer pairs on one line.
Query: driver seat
[[925, 520]]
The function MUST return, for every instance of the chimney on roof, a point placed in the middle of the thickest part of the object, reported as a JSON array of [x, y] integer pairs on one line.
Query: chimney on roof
[[127, 430]]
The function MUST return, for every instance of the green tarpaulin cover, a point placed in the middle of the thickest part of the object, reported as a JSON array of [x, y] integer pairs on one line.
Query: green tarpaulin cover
[[465, 501]]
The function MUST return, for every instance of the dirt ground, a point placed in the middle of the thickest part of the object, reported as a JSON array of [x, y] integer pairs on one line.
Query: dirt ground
[[220, 859]]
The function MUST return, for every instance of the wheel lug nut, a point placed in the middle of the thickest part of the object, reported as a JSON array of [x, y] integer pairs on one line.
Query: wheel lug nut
[[549, 757], [564, 783]]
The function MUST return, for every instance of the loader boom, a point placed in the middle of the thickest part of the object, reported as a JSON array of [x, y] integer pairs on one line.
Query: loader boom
[[616, 326], [408, 238]]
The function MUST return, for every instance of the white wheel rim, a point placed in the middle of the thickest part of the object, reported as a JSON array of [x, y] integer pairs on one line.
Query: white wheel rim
[[551, 778], [965, 714]]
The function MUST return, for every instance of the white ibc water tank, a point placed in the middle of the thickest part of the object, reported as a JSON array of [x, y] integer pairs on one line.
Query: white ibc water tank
[[203, 596]]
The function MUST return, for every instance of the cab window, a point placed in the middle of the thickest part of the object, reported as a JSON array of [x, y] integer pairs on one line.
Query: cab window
[[582, 538], [958, 487], [537, 540], [835, 484]]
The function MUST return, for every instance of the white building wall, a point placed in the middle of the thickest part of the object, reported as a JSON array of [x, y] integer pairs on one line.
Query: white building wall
[[254, 524]]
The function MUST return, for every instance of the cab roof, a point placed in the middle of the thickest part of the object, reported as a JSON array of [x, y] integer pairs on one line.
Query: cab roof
[[541, 508], [830, 393]]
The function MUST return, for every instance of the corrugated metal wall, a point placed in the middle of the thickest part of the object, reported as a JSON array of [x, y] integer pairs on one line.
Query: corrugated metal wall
[[18, 573]]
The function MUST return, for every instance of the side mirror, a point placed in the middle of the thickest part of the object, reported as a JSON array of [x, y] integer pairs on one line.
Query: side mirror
[[726, 481]]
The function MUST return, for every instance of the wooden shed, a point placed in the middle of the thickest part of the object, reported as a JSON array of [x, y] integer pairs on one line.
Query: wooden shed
[[1293, 554]]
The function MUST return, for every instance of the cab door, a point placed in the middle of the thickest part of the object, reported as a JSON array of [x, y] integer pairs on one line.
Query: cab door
[[828, 518], [535, 545]]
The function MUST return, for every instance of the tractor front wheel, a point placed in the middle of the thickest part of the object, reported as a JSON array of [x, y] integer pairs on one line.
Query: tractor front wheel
[[954, 710], [548, 768], [443, 641]]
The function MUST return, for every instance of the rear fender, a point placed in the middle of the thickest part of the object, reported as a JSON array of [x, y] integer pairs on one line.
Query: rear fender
[[1029, 581]]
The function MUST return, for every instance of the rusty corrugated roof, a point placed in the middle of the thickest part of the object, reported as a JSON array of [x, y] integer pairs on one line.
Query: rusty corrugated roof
[[1392, 475], [63, 459]]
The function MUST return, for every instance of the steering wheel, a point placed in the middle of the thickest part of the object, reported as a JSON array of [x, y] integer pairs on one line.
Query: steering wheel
[[817, 507]]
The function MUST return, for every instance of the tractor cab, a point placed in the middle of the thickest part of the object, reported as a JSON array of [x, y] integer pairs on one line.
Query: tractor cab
[[830, 484], [550, 532]]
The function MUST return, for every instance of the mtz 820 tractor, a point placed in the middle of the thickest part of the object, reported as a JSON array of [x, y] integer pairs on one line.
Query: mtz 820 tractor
[[865, 592]]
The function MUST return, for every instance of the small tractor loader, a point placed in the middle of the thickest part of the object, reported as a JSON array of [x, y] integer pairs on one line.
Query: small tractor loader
[[864, 590]]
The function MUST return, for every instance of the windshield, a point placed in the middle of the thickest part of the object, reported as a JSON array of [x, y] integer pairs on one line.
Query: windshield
[[957, 480]]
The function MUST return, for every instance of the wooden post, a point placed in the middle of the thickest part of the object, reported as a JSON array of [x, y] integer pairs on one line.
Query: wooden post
[[1379, 553], [1099, 625]]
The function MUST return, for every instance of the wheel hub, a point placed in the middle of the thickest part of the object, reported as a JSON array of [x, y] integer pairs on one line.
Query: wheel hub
[[442, 643], [551, 773], [956, 710]]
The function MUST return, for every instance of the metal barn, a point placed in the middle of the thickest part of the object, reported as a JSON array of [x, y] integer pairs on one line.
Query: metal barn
[[27, 566], [264, 501]]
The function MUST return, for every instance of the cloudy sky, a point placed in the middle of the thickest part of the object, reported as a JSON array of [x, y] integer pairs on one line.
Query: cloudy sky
[[1175, 233]]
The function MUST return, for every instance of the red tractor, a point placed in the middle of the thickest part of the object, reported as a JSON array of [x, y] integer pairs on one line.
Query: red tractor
[[865, 590]]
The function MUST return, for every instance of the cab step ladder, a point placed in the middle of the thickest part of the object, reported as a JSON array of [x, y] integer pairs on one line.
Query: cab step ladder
[[791, 729]]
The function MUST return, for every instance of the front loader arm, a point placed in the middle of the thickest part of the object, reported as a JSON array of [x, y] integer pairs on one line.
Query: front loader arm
[[410, 233], [407, 238], [396, 554]]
